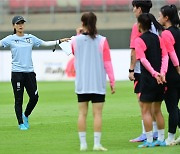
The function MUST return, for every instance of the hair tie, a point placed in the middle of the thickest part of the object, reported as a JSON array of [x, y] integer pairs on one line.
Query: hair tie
[[171, 6]]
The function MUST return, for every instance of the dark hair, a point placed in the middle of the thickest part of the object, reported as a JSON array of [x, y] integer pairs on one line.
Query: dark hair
[[89, 20], [145, 5], [146, 19], [14, 31], [172, 13]]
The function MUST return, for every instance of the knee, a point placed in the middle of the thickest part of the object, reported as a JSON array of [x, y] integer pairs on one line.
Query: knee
[[97, 114], [35, 98], [157, 112], [83, 114]]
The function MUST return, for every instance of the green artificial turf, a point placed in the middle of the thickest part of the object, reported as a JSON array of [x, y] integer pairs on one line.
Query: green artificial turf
[[53, 123]]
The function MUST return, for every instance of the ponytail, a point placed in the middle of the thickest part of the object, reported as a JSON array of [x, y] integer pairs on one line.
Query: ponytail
[[14, 31], [175, 20], [156, 24], [146, 19], [89, 21]]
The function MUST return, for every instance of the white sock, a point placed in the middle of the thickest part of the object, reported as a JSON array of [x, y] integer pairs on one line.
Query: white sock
[[82, 138], [161, 135], [143, 129], [149, 136], [155, 126], [97, 138], [171, 136]]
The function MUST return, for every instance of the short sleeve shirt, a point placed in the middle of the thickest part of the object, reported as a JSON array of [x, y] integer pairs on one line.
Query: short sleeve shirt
[[21, 49]]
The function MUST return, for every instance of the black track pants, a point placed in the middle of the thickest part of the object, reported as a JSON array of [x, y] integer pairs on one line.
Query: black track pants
[[20, 80], [172, 97]]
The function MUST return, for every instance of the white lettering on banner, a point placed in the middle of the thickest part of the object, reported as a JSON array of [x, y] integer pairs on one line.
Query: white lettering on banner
[[52, 66]]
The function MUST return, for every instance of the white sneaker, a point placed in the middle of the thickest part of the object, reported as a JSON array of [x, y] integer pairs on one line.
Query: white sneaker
[[99, 148], [83, 148], [177, 141], [169, 142]]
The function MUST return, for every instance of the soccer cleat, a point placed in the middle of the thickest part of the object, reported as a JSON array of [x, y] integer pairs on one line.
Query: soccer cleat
[[83, 147], [22, 127], [169, 142], [141, 138], [155, 135], [25, 119], [159, 143], [145, 145], [99, 148]]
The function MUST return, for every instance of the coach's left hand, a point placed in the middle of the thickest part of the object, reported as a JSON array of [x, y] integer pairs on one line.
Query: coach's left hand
[[65, 39]]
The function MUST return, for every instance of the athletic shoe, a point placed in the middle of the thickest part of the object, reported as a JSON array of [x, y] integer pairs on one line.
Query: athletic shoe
[[141, 138], [22, 127], [159, 143], [169, 142], [177, 141], [25, 119], [155, 135], [145, 145], [83, 147], [99, 148]]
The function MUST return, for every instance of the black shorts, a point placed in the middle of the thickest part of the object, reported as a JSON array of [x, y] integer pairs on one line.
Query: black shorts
[[95, 98], [137, 82], [150, 90]]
